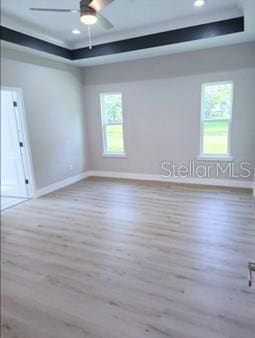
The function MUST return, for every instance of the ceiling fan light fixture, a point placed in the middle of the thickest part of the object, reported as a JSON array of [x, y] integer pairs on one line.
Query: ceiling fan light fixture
[[88, 19], [88, 16], [199, 3]]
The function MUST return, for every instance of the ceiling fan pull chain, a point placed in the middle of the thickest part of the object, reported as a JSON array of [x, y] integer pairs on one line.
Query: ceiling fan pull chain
[[90, 40]]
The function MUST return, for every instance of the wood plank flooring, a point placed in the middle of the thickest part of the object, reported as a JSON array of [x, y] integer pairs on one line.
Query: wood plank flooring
[[108, 258]]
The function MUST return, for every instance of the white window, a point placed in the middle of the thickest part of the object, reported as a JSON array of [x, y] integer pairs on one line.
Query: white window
[[112, 124], [216, 116]]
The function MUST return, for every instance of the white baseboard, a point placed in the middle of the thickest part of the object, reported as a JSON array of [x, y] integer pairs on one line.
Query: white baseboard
[[143, 177], [61, 184], [188, 180]]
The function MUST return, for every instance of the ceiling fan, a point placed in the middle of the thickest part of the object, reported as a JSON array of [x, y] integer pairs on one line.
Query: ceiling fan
[[89, 12]]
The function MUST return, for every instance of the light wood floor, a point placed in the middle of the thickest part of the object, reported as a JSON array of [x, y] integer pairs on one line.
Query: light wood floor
[[121, 259]]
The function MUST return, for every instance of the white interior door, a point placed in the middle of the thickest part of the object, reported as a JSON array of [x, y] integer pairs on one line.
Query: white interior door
[[12, 165]]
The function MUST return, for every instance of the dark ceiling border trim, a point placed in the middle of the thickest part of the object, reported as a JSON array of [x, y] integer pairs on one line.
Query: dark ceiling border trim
[[25, 40], [192, 33], [204, 31]]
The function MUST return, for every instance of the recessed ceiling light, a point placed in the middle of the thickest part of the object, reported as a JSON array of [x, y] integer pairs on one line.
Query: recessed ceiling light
[[76, 31], [199, 3]]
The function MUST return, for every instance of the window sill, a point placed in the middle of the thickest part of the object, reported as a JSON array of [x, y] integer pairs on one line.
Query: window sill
[[121, 155], [215, 158]]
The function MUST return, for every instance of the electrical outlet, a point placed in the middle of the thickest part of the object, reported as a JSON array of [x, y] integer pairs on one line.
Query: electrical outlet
[[70, 166]]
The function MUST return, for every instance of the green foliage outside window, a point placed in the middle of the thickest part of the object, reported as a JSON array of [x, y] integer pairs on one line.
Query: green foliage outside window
[[113, 108], [217, 101]]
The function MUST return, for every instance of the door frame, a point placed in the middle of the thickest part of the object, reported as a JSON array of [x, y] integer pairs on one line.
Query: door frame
[[27, 158]]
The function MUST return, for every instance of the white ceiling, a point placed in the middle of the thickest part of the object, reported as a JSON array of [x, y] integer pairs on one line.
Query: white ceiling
[[131, 18]]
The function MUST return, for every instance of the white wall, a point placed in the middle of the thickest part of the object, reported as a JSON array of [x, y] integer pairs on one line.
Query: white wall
[[55, 113], [161, 99], [254, 189]]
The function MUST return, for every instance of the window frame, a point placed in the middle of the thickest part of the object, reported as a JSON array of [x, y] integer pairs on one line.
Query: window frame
[[105, 152], [206, 156]]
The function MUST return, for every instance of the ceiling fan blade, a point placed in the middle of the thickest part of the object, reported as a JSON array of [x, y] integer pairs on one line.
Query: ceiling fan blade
[[57, 10], [98, 5], [103, 22]]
